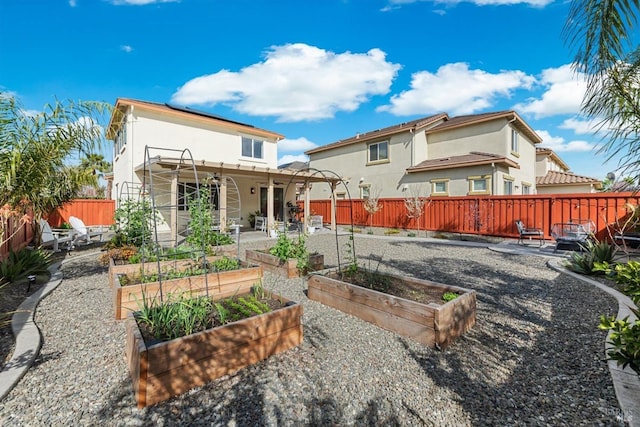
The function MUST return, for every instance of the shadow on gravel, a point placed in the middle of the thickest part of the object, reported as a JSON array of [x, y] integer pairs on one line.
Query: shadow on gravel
[[529, 358]]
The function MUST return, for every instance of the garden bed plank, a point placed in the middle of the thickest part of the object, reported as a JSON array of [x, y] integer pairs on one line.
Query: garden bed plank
[[431, 324], [287, 269], [156, 376], [221, 285]]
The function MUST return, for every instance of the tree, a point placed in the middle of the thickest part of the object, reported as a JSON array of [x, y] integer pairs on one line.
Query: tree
[[601, 33], [34, 172], [91, 166]]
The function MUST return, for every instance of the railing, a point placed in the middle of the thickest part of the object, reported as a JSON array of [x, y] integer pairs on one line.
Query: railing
[[488, 215]]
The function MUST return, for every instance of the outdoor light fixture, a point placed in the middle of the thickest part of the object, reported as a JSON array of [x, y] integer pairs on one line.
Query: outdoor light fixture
[[253, 190], [32, 281]]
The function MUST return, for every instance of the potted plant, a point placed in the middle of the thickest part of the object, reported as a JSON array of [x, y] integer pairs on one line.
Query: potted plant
[[252, 218], [288, 257], [206, 339]]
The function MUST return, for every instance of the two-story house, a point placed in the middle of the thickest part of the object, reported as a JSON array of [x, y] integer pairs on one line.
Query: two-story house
[[481, 154], [168, 148], [554, 176]]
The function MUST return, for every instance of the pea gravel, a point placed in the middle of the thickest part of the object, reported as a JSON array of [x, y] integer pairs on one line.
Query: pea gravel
[[534, 357]]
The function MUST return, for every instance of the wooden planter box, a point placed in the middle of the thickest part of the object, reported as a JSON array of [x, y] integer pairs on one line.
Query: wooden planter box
[[287, 269], [226, 250], [431, 324], [163, 370], [221, 285]]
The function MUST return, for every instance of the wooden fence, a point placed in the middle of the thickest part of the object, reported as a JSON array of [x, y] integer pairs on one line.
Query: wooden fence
[[18, 234], [90, 211], [488, 215]]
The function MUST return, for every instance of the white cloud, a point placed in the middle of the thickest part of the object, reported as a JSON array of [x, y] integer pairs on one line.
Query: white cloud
[[295, 82], [72, 3], [456, 89], [140, 2], [581, 126], [564, 90], [298, 144], [126, 48], [558, 144], [288, 158], [535, 3]]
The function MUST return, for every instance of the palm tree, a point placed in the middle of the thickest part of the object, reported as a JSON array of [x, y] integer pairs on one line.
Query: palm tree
[[35, 148], [600, 32]]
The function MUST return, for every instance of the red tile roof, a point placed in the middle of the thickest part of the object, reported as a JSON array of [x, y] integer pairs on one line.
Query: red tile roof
[[566, 178]]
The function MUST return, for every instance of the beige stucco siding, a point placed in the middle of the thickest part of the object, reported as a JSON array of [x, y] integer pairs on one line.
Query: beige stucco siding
[[350, 162], [566, 189], [485, 137]]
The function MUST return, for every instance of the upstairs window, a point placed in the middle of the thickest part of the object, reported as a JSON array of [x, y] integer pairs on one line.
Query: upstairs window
[[121, 137], [252, 147], [514, 141], [378, 151]]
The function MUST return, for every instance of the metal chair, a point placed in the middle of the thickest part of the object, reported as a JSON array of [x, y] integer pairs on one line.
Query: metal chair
[[529, 232]]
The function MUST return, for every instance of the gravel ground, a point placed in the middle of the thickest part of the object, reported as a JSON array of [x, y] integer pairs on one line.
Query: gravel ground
[[534, 357]]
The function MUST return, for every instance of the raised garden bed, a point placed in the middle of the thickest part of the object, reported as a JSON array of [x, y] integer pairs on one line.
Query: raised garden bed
[[126, 268], [287, 269], [424, 317], [220, 284], [166, 369]]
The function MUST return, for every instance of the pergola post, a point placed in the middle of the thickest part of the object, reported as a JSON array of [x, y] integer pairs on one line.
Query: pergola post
[[173, 221], [270, 218], [222, 201], [333, 205]]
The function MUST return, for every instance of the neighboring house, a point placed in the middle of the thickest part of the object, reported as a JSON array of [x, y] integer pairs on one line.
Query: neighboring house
[[553, 175], [481, 154], [159, 145]]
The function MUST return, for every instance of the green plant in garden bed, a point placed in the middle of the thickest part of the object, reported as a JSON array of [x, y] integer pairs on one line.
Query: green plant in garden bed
[[201, 220], [182, 315], [449, 296], [627, 275], [286, 248], [133, 226], [195, 269]]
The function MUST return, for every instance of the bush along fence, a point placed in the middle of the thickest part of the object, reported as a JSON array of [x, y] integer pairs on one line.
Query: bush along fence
[[490, 215]]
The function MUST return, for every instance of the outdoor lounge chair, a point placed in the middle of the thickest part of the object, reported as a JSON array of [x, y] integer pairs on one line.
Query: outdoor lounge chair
[[574, 234], [528, 232], [53, 238], [83, 234]]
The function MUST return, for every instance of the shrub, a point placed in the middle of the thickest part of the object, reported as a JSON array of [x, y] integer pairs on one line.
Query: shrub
[[627, 275], [133, 219], [286, 248], [23, 263], [585, 262], [624, 339], [122, 253]]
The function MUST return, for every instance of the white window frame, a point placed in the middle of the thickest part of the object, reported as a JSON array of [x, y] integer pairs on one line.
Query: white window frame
[[507, 181], [515, 142], [434, 187], [526, 188], [378, 160], [254, 143], [120, 140], [473, 179], [365, 191]]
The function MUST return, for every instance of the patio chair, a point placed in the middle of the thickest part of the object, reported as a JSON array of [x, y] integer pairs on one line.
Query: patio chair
[[528, 232], [53, 238], [261, 223], [574, 234], [83, 234]]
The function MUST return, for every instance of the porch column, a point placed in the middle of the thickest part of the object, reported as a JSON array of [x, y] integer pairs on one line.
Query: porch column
[[173, 221], [307, 205], [333, 205], [222, 201], [270, 218]]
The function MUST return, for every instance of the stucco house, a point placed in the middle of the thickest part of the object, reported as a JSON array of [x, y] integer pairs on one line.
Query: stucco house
[[161, 144], [554, 176], [480, 154]]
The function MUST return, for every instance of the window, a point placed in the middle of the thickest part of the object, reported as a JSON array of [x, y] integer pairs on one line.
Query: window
[[508, 187], [121, 137], [187, 191], [480, 184], [252, 148], [439, 187], [526, 188], [365, 191], [514, 141], [378, 151]]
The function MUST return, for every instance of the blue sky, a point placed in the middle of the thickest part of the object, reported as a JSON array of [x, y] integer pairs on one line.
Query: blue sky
[[315, 71]]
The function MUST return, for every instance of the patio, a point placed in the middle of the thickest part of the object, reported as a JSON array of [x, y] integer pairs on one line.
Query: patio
[[535, 355]]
